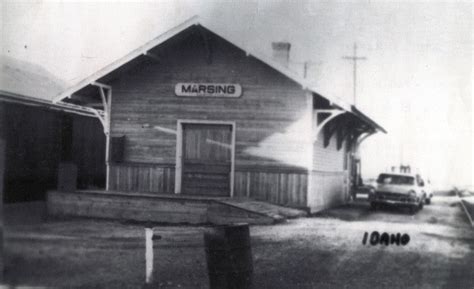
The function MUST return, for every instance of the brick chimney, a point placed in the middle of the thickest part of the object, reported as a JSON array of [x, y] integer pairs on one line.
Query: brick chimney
[[281, 52]]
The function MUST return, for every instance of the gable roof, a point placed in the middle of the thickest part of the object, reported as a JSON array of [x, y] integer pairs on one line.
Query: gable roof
[[195, 20]]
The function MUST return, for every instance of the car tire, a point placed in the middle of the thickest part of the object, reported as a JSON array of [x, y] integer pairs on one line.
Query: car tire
[[373, 206], [420, 205], [428, 201], [413, 210]]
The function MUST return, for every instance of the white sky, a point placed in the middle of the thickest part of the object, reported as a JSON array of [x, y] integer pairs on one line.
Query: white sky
[[416, 81]]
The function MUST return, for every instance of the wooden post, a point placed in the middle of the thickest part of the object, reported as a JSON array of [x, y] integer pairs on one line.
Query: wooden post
[[150, 237], [107, 109], [229, 256], [148, 255], [2, 172]]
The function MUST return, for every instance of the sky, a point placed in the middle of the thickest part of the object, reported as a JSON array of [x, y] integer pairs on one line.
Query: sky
[[416, 80]]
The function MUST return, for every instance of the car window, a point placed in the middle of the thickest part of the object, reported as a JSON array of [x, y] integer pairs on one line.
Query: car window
[[421, 183], [395, 179]]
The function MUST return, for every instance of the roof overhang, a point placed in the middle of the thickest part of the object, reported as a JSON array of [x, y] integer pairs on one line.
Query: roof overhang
[[10, 97], [127, 58], [359, 114]]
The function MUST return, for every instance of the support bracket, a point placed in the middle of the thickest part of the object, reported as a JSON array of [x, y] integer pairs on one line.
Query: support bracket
[[106, 97], [345, 127], [341, 134], [353, 137], [332, 114], [363, 137], [328, 132]]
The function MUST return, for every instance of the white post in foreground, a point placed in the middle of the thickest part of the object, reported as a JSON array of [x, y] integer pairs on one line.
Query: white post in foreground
[[149, 255]]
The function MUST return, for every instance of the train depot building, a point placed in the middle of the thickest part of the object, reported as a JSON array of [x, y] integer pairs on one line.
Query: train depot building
[[196, 124]]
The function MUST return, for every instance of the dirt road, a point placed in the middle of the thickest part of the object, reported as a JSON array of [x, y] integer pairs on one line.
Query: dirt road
[[440, 253], [325, 251]]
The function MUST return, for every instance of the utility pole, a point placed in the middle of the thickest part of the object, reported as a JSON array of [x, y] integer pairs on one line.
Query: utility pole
[[354, 58], [306, 66]]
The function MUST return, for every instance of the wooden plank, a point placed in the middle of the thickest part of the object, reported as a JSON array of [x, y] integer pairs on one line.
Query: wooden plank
[[156, 179], [146, 208], [206, 155], [209, 168], [279, 188], [328, 190]]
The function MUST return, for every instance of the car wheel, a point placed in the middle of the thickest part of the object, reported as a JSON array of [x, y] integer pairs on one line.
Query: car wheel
[[373, 206], [428, 201], [413, 210], [420, 205]]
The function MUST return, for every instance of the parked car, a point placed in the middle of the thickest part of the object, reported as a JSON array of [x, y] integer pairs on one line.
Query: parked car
[[407, 190]]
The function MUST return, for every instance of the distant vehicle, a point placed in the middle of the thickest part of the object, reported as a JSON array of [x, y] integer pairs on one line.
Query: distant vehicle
[[466, 192], [407, 190]]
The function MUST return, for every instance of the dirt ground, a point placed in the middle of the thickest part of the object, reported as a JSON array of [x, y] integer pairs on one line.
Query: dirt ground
[[323, 251]]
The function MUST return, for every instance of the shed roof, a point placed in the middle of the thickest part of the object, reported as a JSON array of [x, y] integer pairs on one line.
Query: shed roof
[[28, 79], [31, 84]]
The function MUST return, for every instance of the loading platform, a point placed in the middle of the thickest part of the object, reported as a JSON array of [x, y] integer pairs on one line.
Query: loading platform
[[167, 208]]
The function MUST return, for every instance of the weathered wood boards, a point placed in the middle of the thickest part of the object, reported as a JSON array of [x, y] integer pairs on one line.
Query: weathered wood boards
[[284, 187], [330, 175], [142, 177], [329, 190], [152, 208], [271, 116], [207, 157]]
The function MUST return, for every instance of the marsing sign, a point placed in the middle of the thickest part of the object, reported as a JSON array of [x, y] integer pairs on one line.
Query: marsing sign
[[208, 89]]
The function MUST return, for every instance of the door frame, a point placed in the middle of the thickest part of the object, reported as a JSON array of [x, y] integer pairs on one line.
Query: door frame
[[179, 150]]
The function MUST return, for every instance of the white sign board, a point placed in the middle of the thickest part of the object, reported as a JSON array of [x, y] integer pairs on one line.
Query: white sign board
[[208, 89]]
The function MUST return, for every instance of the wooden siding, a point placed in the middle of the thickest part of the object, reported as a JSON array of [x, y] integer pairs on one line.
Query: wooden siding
[[329, 190], [271, 116], [278, 186], [329, 178], [329, 158], [142, 177]]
